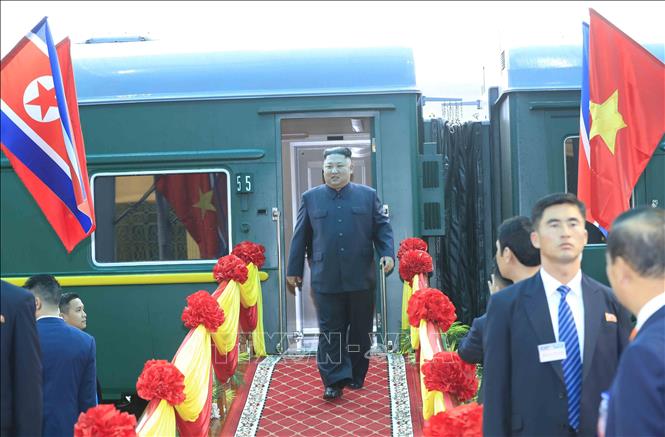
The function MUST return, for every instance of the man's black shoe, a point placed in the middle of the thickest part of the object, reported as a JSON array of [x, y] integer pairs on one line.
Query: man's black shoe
[[354, 385], [332, 393]]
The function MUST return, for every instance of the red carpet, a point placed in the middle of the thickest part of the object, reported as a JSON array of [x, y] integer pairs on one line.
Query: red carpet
[[295, 406]]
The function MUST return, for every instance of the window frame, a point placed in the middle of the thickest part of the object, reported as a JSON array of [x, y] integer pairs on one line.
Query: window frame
[[159, 172]]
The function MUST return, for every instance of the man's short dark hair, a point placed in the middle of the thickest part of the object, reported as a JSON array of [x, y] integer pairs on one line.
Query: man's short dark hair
[[515, 234], [638, 236], [344, 151], [46, 287], [65, 299], [555, 199]]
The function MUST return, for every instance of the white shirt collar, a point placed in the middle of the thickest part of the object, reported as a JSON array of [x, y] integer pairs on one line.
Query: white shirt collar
[[551, 283], [649, 309]]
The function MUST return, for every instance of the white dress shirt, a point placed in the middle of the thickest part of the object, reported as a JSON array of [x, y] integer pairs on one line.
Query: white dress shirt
[[575, 302], [649, 309]]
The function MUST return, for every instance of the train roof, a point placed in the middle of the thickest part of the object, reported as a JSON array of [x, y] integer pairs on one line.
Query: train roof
[[124, 72], [548, 67]]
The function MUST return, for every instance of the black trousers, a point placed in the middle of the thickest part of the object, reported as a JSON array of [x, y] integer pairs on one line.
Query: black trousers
[[345, 326]]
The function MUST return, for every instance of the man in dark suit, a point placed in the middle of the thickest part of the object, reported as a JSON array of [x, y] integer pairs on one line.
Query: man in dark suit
[[516, 259], [553, 341], [339, 225], [68, 360], [21, 367], [636, 270]]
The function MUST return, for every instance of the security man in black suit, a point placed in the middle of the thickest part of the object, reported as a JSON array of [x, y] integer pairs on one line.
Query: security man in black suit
[[21, 364], [339, 225]]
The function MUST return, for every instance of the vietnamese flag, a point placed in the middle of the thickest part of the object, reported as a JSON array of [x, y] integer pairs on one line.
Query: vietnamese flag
[[191, 195], [627, 118]]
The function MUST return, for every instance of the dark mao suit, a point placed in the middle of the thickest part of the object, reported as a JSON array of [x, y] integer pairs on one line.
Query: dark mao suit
[[637, 397], [526, 397], [68, 358], [339, 232], [21, 368]]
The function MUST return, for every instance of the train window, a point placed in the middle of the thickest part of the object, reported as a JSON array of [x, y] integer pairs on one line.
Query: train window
[[571, 146], [161, 217]]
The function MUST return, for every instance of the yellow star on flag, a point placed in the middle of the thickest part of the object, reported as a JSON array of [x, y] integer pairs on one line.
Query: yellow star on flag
[[205, 202], [606, 120]]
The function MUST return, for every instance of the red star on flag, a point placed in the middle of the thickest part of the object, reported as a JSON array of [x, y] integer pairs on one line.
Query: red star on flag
[[45, 100]]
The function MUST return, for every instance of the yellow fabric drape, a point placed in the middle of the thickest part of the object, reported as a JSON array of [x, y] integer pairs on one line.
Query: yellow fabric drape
[[258, 337], [194, 361], [250, 295], [226, 336], [250, 289], [160, 423], [406, 295], [415, 340]]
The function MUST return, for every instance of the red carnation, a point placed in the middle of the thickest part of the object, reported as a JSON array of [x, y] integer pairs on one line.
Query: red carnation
[[105, 421], [203, 309], [463, 421], [414, 262], [250, 253], [161, 380], [432, 305], [447, 373], [230, 268], [411, 244]]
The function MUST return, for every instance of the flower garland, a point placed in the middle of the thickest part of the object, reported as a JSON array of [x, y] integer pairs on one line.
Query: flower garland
[[250, 253], [463, 421], [161, 380], [433, 306], [202, 309], [105, 420], [414, 262], [447, 373], [411, 243], [230, 268]]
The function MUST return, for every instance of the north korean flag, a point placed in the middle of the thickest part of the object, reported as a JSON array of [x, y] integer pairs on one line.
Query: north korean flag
[[41, 136]]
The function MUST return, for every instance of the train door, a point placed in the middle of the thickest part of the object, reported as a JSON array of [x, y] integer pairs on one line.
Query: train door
[[303, 143]]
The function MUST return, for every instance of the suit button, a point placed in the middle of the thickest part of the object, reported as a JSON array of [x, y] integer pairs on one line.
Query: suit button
[[339, 206], [342, 249], [339, 220], [340, 234], [561, 396]]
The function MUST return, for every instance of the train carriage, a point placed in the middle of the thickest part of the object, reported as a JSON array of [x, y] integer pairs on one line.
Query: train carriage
[[191, 151]]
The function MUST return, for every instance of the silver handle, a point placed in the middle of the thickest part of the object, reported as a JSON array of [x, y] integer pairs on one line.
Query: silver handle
[[384, 310], [276, 217]]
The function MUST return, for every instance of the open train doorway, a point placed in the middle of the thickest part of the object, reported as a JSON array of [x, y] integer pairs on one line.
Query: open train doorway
[[303, 142]]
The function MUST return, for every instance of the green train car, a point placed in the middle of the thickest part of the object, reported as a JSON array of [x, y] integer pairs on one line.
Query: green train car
[[192, 152]]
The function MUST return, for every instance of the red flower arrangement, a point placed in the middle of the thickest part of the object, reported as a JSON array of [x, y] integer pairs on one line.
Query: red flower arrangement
[[411, 244], [161, 380], [203, 309], [432, 305], [414, 262], [447, 373], [463, 421], [105, 421], [250, 253], [230, 268]]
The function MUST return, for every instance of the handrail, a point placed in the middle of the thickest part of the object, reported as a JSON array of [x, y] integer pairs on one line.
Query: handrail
[[276, 217]]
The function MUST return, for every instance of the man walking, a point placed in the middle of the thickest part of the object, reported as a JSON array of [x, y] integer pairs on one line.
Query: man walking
[[553, 341], [636, 270], [68, 360], [339, 225]]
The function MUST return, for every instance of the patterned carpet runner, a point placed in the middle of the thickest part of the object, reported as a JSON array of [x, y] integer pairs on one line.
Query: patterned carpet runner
[[285, 399]]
